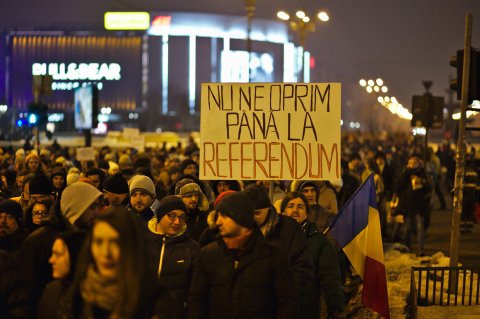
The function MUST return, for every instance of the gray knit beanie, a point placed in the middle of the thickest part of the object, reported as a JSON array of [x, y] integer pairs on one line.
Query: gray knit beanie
[[142, 183], [76, 198]]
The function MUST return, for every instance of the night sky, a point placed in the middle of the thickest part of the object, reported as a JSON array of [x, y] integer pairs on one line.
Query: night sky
[[404, 42]]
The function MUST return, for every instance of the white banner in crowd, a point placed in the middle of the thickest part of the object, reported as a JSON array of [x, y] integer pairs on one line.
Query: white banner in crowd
[[85, 154], [270, 131]]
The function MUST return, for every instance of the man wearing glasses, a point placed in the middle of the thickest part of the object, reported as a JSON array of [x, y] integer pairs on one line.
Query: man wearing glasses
[[197, 206], [176, 250]]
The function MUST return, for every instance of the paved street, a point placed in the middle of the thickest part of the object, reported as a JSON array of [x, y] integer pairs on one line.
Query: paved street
[[438, 237]]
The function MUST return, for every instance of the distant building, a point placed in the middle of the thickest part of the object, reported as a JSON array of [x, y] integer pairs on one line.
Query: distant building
[[149, 79]]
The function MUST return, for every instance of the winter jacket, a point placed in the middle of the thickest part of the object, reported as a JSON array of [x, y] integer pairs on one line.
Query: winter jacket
[[287, 234], [196, 223], [14, 289], [414, 200], [327, 198], [146, 215], [175, 257], [256, 284], [327, 270], [50, 299], [34, 255], [320, 217], [12, 243]]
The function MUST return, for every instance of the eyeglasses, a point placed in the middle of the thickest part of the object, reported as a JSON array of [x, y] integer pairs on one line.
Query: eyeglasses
[[40, 213], [172, 216]]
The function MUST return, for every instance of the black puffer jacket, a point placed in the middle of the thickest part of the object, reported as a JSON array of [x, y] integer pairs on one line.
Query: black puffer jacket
[[327, 271], [257, 284], [196, 223], [146, 215], [175, 257], [15, 301], [287, 234]]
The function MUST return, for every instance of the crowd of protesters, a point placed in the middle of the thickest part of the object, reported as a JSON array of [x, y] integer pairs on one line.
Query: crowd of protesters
[[138, 235]]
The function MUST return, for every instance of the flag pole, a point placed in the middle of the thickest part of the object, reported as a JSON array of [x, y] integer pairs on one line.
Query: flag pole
[[346, 204]]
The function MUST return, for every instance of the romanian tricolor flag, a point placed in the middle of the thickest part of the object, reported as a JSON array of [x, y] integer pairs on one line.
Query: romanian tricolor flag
[[356, 228]]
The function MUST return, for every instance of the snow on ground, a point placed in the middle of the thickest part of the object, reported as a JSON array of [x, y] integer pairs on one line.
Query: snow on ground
[[398, 263]]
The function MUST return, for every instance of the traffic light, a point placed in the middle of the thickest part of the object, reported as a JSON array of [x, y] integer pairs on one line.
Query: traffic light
[[427, 111], [22, 122], [37, 114], [456, 84]]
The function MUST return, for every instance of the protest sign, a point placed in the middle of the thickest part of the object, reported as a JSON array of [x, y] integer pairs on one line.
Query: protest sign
[[85, 154], [270, 131], [138, 142]]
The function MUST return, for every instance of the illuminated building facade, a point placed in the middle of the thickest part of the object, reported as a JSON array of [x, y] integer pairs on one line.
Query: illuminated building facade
[[149, 79]]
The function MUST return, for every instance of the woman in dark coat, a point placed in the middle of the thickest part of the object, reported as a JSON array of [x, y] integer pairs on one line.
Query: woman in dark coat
[[65, 250], [116, 275]]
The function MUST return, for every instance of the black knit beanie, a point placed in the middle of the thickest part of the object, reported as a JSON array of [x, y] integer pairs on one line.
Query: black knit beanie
[[185, 163], [58, 171], [116, 184], [13, 208], [239, 207], [40, 184], [258, 195], [302, 185], [169, 203]]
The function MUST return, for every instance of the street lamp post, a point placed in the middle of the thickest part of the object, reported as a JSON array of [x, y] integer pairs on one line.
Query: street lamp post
[[250, 8], [302, 24]]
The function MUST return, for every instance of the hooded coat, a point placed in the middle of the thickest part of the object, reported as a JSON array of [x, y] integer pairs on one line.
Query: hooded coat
[[317, 214]]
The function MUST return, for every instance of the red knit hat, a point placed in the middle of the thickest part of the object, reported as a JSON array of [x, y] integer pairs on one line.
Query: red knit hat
[[221, 196]]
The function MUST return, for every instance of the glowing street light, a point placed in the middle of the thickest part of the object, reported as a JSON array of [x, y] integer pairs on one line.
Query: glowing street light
[[282, 15], [389, 102], [300, 14], [323, 16], [250, 8], [301, 23]]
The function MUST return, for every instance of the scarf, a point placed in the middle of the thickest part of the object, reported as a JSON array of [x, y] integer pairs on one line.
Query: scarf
[[99, 291]]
